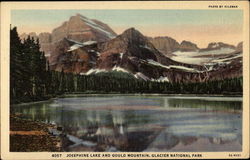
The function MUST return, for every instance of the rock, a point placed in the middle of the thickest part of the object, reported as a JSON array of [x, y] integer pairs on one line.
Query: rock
[[78, 60], [44, 37], [218, 45], [77, 28], [131, 51], [187, 46], [165, 45], [59, 128], [240, 47], [82, 29]]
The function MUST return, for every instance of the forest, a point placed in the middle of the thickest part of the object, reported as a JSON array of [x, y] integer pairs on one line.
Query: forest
[[32, 80]]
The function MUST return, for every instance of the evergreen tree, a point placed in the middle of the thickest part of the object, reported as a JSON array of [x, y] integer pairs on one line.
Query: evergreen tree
[[16, 64]]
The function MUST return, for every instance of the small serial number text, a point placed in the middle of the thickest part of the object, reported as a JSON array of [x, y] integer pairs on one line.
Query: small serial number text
[[234, 155], [56, 155]]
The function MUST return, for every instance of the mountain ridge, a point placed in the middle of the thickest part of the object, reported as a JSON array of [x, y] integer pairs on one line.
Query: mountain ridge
[[87, 46]]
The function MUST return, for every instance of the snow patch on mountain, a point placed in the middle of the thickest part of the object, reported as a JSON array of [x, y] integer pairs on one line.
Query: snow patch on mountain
[[89, 43], [209, 66], [121, 55], [161, 79], [74, 47], [190, 60], [98, 54], [93, 71], [184, 68], [227, 59], [71, 40], [150, 61], [47, 55], [145, 46], [220, 61], [140, 75], [97, 27], [79, 44], [119, 69], [200, 53], [191, 57], [215, 45]]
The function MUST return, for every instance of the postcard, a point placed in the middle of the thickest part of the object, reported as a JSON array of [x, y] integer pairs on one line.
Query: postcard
[[125, 80]]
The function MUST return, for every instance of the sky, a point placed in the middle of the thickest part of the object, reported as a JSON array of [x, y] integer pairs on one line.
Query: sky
[[198, 26]]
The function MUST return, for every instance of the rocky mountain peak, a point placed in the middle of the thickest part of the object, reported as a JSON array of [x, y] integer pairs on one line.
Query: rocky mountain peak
[[239, 46], [165, 45], [133, 36], [131, 30], [81, 28], [44, 37], [188, 46], [120, 51], [217, 45], [79, 15]]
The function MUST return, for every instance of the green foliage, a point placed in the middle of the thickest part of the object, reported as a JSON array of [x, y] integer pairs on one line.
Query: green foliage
[[28, 72], [115, 74], [112, 83]]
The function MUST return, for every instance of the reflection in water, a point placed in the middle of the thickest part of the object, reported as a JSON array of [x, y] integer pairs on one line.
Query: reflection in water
[[143, 123]]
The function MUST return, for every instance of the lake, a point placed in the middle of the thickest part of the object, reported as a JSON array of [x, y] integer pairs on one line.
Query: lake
[[116, 123]]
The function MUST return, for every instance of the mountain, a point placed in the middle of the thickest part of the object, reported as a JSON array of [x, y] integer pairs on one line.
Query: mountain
[[45, 40], [216, 45], [82, 29], [130, 44], [77, 28], [87, 46], [239, 47], [165, 45], [168, 45], [74, 57], [186, 46], [133, 53]]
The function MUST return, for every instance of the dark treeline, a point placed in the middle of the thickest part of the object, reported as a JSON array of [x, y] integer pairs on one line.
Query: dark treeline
[[113, 82], [32, 80]]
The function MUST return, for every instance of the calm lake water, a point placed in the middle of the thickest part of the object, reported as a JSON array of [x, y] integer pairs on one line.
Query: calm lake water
[[142, 123]]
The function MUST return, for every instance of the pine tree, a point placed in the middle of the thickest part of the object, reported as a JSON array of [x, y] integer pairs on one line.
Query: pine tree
[[62, 82], [15, 64]]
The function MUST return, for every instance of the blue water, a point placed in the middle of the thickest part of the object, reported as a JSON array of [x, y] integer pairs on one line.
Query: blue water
[[143, 123]]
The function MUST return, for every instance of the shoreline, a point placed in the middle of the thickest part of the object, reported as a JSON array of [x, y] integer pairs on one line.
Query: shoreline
[[32, 136], [153, 94], [77, 94]]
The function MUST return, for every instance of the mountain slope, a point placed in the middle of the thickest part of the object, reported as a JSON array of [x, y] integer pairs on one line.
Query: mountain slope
[[132, 52], [165, 45], [83, 29], [88, 46]]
